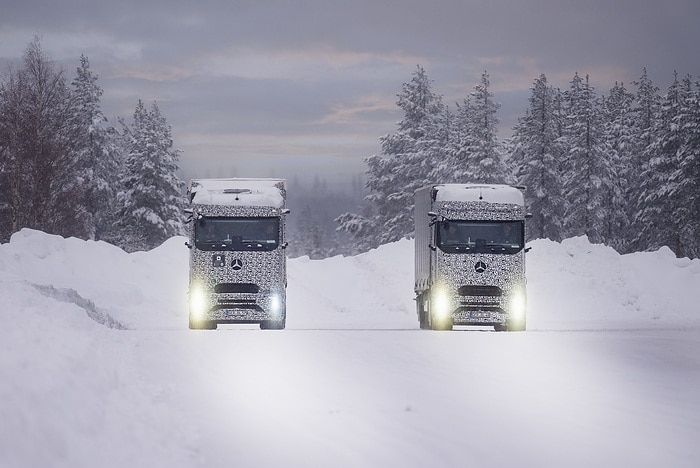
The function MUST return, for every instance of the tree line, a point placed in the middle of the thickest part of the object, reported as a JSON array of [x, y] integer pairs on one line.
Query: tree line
[[622, 168], [64, 169]]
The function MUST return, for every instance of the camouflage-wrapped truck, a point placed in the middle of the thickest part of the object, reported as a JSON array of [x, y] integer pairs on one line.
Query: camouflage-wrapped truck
[[470, 256], [237, 247]]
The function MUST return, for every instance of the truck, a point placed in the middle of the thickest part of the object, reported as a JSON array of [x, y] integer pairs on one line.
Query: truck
[[238, 266], [470, 256]]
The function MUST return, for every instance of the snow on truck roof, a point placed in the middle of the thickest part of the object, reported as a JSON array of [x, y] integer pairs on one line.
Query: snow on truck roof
[[237, 192], [489, 193]]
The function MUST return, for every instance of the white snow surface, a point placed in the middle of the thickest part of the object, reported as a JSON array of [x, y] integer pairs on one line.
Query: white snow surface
[[252, 192], [490, 193], [98, 367]]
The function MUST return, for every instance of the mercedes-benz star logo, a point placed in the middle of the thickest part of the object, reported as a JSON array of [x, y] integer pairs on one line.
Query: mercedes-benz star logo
[[480, 267], [237, 264]]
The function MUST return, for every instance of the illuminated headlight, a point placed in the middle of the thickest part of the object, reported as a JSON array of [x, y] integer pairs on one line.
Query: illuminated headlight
[[442, 304], [275, 304], [517, 304], [198, 301]]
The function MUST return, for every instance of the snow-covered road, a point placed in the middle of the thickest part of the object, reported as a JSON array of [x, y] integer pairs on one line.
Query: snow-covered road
[[98, 368]]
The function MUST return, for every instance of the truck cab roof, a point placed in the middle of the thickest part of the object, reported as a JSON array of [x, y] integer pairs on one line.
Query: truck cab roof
[[488, 193], [238, 192]]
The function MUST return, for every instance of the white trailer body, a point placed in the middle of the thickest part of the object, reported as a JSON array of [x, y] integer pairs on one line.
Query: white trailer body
[[238, 270], [470, 256]]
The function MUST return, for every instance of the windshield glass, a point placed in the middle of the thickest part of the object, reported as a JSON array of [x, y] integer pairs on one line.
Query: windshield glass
[[236, 233], [480, 236]]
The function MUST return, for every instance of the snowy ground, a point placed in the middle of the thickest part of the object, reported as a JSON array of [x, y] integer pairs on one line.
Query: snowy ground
[[98, 368]]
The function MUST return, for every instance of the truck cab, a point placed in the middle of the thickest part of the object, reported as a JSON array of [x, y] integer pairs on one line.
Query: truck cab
[[470, 256], [237, 252]]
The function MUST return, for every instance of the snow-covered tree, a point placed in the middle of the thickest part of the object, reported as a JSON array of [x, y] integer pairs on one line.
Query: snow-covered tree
[[621, 139], [474, 153], [97, 154], [405, 163], [152, 198], [587, 165], [39, 187], [685, 178], [665, 212], [536, 156]]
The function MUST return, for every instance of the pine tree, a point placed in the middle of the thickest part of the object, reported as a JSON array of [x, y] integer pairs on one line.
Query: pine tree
[[669, 191], [537, 157], [620, 139], [660, 139], [97, 154], [152, 199], [588, 173], [405, 163], [685, 178], [486, 161]]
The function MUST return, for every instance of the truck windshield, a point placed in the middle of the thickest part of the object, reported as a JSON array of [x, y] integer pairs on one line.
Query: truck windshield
[[236, 234], [500, 237]]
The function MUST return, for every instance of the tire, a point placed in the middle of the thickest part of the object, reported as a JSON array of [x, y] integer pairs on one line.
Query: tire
[[422, 316]]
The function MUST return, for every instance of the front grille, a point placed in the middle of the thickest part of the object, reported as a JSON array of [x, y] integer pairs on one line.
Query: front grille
[[245, 288], [481, 308], [470, 290], [236, 301], [237, 304]]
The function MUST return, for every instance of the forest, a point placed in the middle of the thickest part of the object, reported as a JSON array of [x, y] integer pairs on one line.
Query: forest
[[64, 169], [622, 167]]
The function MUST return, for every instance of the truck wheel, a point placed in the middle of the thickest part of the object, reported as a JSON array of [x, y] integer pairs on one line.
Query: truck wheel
[[202, 325], [422, 316]]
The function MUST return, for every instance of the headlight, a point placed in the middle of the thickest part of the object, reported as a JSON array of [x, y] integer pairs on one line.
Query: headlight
[[198, 301], [275, 304], [517, 304], [441, 304]]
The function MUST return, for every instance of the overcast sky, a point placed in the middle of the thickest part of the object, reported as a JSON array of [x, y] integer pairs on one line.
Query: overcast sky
[[285, 88]]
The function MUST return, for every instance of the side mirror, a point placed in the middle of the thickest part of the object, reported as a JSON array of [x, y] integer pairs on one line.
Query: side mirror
[[527, 249], [188, 245], [432, 247], [528, 216], [285, 211], [284, 245]]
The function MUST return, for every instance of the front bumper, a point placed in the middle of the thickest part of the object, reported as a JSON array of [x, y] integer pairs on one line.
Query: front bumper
[[239, 307]]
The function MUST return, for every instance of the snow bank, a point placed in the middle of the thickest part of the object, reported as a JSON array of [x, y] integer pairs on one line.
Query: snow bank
[[579, 285], [573, 284], [99, 368]]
